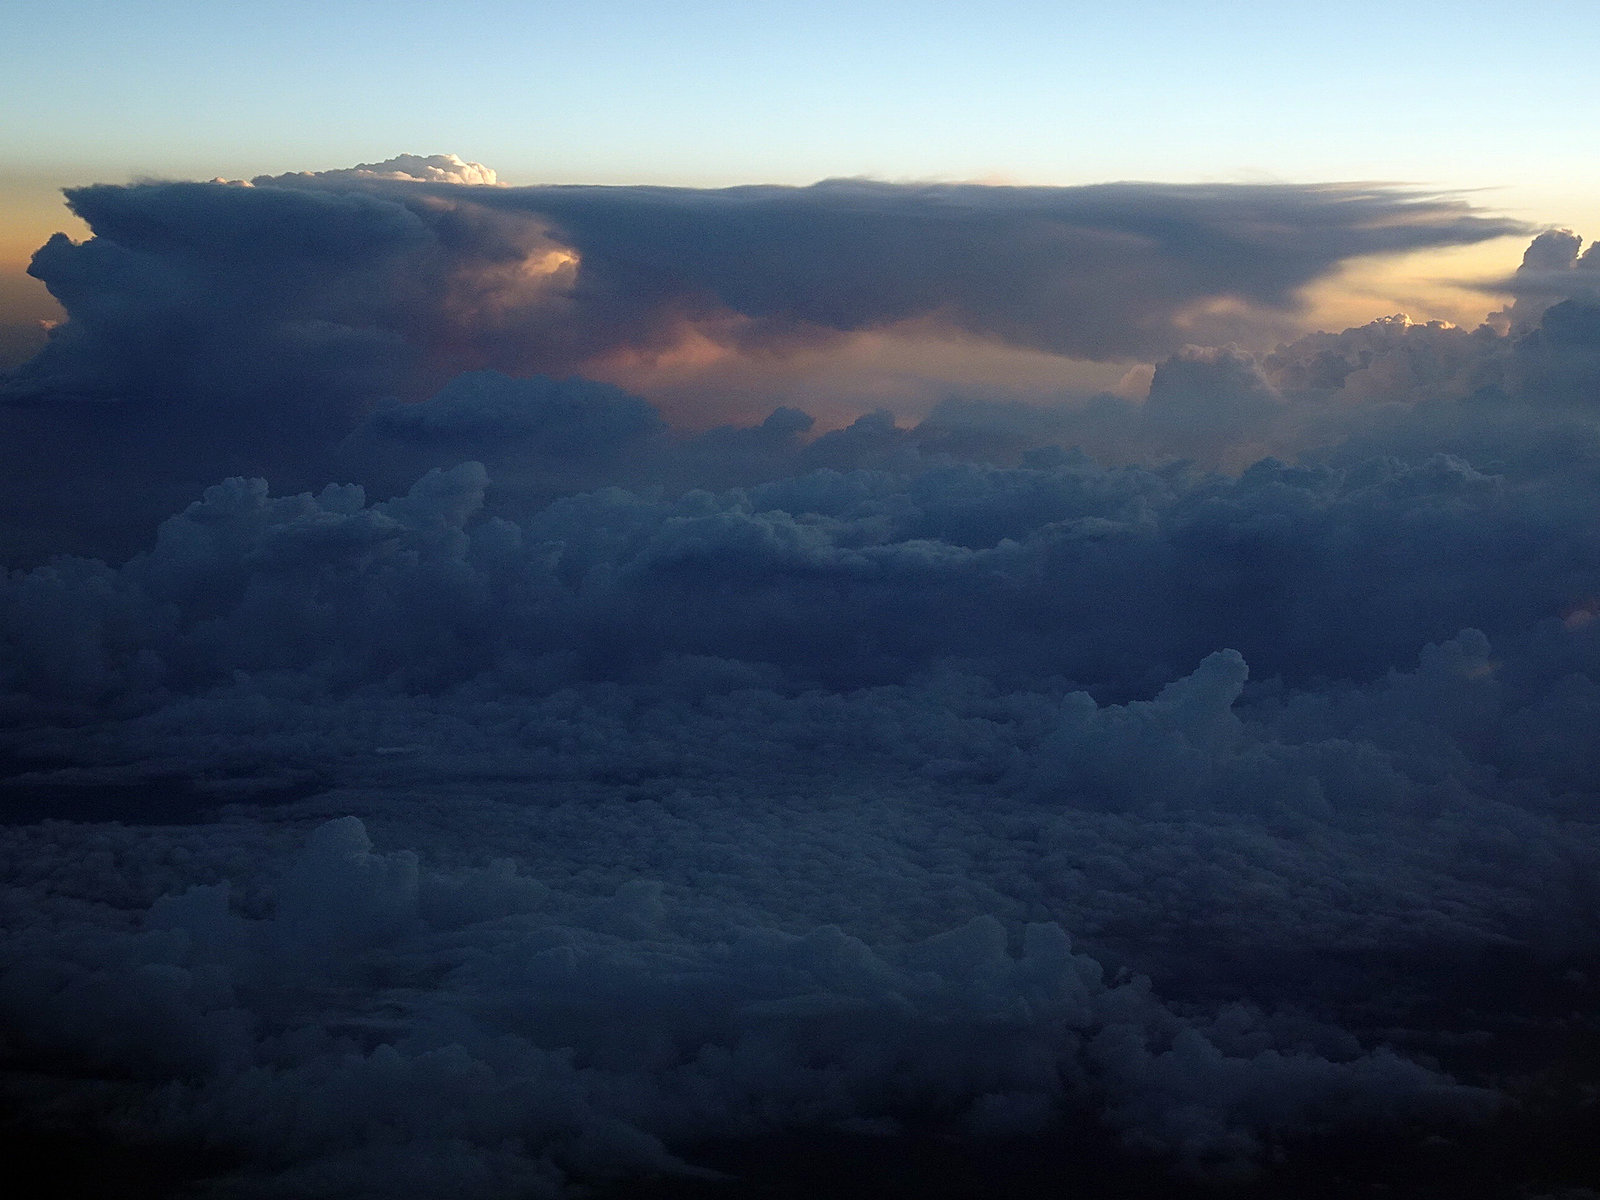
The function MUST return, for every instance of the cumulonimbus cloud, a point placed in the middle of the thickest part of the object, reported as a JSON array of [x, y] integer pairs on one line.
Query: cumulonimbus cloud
[[1112, 271], [343, 282], [506, 832], [1554, 268]]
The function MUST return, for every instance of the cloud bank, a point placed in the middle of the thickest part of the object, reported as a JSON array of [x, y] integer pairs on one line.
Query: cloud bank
[[519, 795], [345, 280]]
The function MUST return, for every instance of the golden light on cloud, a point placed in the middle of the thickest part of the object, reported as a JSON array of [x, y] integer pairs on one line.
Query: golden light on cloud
[[1135, 382], [703, 379], [1230, 320], [486, 296], [550, 262], [680, 361], [1213, 309], [1454, 284]]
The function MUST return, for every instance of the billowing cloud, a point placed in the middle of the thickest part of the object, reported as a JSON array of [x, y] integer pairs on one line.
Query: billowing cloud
[[353, 278], [411, 168], [252, 330], [1108, 272], [518, 794], [1552, 270]]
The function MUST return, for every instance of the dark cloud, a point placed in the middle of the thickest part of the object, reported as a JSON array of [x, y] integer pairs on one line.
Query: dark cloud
[[540, 437], [517, 794], [19, 342], [252, 329], [1558, 364], [558, 418], [842, 575], [1106, 272], [351, 279]]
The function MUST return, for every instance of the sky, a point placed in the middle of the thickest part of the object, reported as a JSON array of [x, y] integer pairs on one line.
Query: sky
[[866, 600], [707, 94], [1486, 98]]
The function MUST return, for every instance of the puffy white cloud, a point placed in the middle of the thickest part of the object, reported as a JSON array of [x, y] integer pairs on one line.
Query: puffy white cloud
[[403, 168]]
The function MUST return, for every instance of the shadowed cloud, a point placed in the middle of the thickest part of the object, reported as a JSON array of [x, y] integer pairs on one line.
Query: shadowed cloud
[[343, 281], [514, 794]]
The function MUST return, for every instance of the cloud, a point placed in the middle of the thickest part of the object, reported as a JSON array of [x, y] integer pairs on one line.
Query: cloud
[[1559, 362], [651, 971], [1112, 271], [572, 417], [351, 278], [258, 330], [842, 575], [1552, 270], [517, 794], [1392, 386], [404, 168], [636, 822]]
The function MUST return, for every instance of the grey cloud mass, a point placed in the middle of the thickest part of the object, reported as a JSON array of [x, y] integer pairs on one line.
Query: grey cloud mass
[[513, 795], [1104, 272], [1552, 269], [352, 278]]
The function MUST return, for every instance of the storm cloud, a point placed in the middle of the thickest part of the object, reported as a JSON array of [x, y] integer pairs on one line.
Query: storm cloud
[[252, 328], [343, 282], [514, 794]]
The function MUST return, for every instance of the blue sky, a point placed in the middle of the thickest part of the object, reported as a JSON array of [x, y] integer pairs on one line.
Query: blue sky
[[1469, 95]]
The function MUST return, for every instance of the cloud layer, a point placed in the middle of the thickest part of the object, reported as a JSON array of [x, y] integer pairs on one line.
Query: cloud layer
[[345, 280], [518, 794]]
